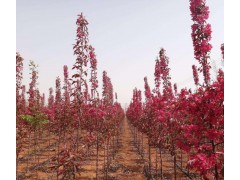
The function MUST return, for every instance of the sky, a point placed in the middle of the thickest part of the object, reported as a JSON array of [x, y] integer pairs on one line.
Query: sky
[[127, 36]]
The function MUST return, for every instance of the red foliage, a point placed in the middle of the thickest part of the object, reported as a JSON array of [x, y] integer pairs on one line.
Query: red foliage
[[201, 35], [195, 75]]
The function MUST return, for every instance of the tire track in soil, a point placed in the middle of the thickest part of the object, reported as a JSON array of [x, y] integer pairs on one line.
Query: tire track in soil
[[127, 163]]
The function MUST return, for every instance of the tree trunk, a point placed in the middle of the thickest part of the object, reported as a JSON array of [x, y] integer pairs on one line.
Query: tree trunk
[[175, 168], [107, 157], [142, 147], [215, 167], [161, 171], [181, 158], [104, 160], [97, 158], [29, 140], [149, 158], [113, 147], [58, 148], [156, 164]]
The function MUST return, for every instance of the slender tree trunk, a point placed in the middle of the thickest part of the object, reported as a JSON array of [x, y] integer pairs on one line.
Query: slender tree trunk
[[156, 164], [161, 171], [134, 135], [139, 142], [215, 167], [216, 172], [78, 133], [113, 147], [137, 138], [118, 138], [104, 160], [35, 150], [17, 168], [58, 150], [29, 140], [79, 126], [49, 139], [142, 147], [149, 158], [175, 168], [39, 147], [107, 157], [97, 158], [35, 142], [181, 157], [49, 142]]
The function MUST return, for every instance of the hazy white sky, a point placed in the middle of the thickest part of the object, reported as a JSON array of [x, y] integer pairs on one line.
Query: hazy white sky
[[126, 35]]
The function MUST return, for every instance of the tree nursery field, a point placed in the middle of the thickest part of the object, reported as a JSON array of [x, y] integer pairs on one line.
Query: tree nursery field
[[76, 133]]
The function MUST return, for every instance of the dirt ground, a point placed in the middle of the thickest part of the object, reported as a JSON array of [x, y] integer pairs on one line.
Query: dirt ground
[[127, 163]]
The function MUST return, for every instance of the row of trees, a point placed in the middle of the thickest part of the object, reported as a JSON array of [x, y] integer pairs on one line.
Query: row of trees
[[190, 121], [77, 116]]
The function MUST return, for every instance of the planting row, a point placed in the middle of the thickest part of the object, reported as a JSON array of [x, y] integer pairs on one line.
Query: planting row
[[78, 118], [189, 121]]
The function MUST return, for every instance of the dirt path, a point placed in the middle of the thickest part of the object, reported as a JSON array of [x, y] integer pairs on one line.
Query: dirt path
[[127, 163]]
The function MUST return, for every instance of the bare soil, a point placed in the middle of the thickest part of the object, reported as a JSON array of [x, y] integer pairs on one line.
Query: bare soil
[[125, 163]]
